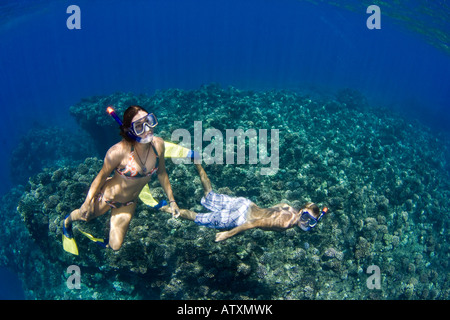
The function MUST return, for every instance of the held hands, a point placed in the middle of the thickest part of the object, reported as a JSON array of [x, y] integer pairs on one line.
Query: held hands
[[174, 209]]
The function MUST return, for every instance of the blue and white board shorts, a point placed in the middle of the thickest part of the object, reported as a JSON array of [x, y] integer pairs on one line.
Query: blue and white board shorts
[[226, 212]]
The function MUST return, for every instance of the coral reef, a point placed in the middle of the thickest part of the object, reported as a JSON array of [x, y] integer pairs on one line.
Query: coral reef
[[383, 179]]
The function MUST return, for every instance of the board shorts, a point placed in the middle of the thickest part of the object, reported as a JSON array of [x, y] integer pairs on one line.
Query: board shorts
[[226, 212]]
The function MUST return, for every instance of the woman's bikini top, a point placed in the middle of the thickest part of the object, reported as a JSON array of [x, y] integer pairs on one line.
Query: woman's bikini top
[[131, 170]]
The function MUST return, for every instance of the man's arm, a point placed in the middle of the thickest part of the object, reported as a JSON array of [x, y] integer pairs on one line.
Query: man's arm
[[267, 223]]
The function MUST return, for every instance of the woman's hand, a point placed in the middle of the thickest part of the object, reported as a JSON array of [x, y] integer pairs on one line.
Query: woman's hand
[[86, 209], [175, 210]]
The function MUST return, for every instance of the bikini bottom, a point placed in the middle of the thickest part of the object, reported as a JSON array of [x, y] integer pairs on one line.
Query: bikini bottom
[[114, 204]]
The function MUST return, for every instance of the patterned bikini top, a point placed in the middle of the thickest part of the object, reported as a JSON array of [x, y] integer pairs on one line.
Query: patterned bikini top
[[131, 170]]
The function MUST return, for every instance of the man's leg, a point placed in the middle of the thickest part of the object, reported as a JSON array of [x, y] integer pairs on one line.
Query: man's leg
[[184, 213], [188, 214]]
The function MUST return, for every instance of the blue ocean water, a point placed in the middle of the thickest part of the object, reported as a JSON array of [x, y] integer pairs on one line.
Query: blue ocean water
[[143, 46], [11, 286]]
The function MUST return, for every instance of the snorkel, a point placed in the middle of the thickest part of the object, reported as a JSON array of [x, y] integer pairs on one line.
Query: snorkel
[[322, 213], [113, 114], [130, 134]]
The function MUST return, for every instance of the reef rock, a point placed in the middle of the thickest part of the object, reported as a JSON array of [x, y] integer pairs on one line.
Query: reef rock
[[383, 179]]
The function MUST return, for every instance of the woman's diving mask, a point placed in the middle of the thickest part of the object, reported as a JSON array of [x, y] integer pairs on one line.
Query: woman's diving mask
[[138, 127], [144, 124]]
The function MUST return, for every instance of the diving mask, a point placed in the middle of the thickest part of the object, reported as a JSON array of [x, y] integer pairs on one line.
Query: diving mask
[[138, 127], [308, 221], [144, 124]]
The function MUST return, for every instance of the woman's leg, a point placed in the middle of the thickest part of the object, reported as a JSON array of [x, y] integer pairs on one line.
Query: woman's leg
[[100, 208], [120, 221]]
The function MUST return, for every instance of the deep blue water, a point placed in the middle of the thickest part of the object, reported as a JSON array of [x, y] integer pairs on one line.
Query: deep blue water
[[10, 286], [143, 46]]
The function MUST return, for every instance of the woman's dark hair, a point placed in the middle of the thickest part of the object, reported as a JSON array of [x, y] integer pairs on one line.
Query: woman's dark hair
[[128, 116]]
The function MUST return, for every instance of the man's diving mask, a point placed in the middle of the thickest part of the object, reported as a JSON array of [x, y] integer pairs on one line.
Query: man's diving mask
[[144, 124], [308, 221]]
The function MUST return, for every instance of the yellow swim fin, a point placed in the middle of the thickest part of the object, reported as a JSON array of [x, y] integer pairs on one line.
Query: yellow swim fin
[[91, 237], [69, 243], [173, 150], [146, 197]]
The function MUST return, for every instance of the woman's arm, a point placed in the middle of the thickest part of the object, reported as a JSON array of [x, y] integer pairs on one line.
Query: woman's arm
[[163, 178], [111, 161]]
